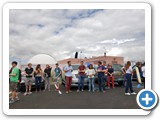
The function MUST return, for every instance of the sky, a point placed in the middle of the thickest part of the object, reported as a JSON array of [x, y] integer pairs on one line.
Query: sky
[[60, 33]]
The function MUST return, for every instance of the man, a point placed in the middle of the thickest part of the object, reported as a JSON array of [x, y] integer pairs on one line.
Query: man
[[57, 76], [105, 74], [29, 78], [19, 81], [14, 75], [68, 73], [101, 70], [47, 75], [81, 72]]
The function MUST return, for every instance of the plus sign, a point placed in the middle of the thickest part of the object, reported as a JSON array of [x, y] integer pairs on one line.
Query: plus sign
[[147, 99]]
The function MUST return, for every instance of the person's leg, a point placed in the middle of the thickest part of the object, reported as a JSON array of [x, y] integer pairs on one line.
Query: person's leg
[[102, 84], [67, 84], [89, 85], [40, 79], [92, 80], [49, 83], [99, 83], [112, 81], [128, 83], [108, 78], [79, 82], [36, 83], [131, 88], [82, 82], [70, 82]]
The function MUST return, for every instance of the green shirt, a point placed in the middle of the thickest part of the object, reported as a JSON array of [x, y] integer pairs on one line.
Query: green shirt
[[14, 78]]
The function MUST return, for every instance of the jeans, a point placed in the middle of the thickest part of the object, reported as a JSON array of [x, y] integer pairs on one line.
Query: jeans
[[38, 82], [91, 84], [101, 83], [129, 83], [81, 81], [47, 83]]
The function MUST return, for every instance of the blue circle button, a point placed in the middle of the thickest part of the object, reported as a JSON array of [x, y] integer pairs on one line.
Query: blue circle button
[[147, 99]]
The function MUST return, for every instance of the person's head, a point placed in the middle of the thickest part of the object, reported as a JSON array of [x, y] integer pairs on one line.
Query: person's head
[[47, 66], [90, 66], [99, 63], [14, 64], [81, 62], [57, 65], [109, 65], [69, 63], [29, 65], [38, 67], [104, 63], [128, 65]]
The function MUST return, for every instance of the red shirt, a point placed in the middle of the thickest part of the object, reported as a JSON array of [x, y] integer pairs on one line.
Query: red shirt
[[82, 67]]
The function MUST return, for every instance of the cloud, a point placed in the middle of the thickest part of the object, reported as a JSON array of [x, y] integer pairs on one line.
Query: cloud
[[60, 33]]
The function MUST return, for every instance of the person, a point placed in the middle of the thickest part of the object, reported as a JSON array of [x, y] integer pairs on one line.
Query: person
[[128, 77], [81, 76], [57, 77], [19, 80], [143, 75], [90, 74], [105, 74], [110, 75], [38, 77], [47, 75], [123, 70], [68, 74], [29, 78], [13, 82], [101, 70]]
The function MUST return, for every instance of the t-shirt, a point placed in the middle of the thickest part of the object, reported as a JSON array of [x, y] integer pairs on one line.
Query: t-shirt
[[29, 71], [110, 70], [57, 71], [81, 67], [129, 70], [47, 72], [143, 70], [69, 73], [14, 78], [101, 74]]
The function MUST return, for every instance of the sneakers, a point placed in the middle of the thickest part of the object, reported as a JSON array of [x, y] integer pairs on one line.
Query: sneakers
[[70, 91], [17, 99], [77, 90], [133, 93], [25, 93], [29, 93], [127, 94], [11, 101], [82, 90], [67, 92]]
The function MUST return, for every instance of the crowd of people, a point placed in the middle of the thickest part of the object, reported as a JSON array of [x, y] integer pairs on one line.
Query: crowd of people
[[104, 72]]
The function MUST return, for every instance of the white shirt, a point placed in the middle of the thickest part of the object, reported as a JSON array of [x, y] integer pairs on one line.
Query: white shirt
[[129, 70], [69, 73], [90, 72], [143, 70]]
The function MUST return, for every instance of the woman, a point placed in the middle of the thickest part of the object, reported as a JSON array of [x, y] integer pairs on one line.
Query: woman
[[38, 77], [110, 76], [47, 75], [90, 74], [129, 80]]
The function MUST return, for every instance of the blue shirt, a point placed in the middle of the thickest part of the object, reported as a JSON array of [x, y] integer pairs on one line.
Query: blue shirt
[[100, 74], [69, 73]]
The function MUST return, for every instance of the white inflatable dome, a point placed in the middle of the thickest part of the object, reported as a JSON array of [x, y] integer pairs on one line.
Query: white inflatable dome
[[42, 59]]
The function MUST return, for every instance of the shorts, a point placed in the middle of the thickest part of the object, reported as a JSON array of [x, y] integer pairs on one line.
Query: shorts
[[28, 81], [13, 86], [59, 80]]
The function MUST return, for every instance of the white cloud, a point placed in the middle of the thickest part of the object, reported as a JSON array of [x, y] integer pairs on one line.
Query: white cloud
[[62, 32]]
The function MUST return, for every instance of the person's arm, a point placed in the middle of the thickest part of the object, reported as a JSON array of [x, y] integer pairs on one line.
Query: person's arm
[[65, 69], [14, 73]]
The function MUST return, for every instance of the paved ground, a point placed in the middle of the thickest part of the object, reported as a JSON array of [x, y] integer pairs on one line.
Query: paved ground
[[112, 99]]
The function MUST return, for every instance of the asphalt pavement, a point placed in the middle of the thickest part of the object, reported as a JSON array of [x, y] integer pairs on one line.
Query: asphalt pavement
[[112, 99]]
